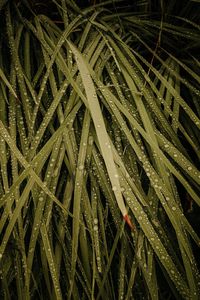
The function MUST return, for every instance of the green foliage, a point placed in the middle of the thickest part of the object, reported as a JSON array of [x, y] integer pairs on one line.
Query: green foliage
[[99, 151]]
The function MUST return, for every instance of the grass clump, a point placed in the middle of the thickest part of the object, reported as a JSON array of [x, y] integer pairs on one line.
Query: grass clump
[[99, 152]]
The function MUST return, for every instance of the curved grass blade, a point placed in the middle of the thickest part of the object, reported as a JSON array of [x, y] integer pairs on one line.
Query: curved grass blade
[[96, 114]]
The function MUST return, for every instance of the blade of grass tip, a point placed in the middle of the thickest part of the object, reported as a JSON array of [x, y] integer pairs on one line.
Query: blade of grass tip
[[96, 114]]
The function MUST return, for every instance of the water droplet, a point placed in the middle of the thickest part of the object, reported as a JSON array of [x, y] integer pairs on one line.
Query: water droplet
[[81, 167], [95, 221]]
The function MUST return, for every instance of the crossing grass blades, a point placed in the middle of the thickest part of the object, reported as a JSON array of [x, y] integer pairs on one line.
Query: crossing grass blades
[[99, 152]]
